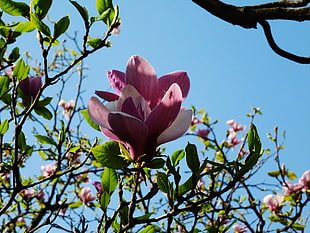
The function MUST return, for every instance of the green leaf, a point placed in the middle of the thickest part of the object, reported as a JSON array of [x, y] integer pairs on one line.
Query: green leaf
[[15, 8], [291, 175], [149, 229], [109, 180], [96, 42], [192, 158], [177, 156], [22, 142], [102, 5], [155, 163], [42, 27], [274, 173], [298, 227], [44, 112], [41, 7], [24, 27], [163, 182], [61, 26], [82, 10], [4, 85], [89, 120], [44, 102], [75, 205], [187, 186], [109, 155], [254, 142], [104, 200], [4, 126], [45, 140], [14, 54], [21, 70]]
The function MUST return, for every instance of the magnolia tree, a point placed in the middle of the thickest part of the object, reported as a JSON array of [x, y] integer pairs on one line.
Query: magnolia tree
[[139, 187]]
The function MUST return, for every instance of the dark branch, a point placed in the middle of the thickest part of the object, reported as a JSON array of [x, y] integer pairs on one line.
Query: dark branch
[[277, 49]]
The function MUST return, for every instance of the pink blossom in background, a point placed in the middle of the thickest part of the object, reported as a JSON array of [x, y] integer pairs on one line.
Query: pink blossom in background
[[290, 188], [235, 126], [98, 187], [145, 112], [203, 133], [28, 192], [232, 139], [48, 169], [238, 228], [86, 195], [273, 201], [68, 108], [195, 121], [305, 180]]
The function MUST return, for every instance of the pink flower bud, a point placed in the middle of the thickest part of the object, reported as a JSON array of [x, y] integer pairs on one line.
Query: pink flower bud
[[86, 195], [235, 125], [290, 188], [203, 133], [238, 228], [48, 169], [273, 202], [98, 187], [305, 180]]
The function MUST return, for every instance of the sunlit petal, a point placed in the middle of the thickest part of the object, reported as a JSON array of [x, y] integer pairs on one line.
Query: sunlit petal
[[117, 80], [98, 112]]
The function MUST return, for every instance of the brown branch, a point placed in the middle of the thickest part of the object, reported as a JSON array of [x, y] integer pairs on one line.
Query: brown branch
[[277, 49]]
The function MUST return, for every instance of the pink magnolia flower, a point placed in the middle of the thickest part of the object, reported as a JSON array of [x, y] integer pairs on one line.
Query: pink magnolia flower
[[146, 111], [28, 192], [305, 180], [86, 195], [203, 133], [30, 86], [238, 228], [98, 187], [290, 188], [232, 139], [68, 107], [235, 125], [273, 201], [48, 169]]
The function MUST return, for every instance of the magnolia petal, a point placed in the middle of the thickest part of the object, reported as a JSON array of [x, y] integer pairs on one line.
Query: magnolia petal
[[98, 112], [110, 134], [165, 112], [178, 128], [130, 108], [179, 77], [129, 130], [108, 96], [141, 75], [117, 80]]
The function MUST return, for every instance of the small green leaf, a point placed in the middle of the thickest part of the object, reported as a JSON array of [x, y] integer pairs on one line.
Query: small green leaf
[[192, 158], [61, 26], [254, 142], [44, 112], [42, 27], [75, 205], [291, 175], [44, 102], [4, 126], [187, 186], [21, 70], [149, 229], [4, 85], [22, 142], [45, 140], [274, 173], [15, 8], [104, 200], [155, 163], [298, 227], [82, 10], [163, 182], [14, 54], [109, 180], [102, 5], [177, 156], [41, 7], [89, 120], [94, 42], [109, 155]]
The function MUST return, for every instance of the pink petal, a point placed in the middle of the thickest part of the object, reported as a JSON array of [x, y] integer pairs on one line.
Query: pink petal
[[179, 77], [141, 75], [98, 112], [117, 80], [129, 107], [108, 96], [178, 128], [130, 130], [165, 112]]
